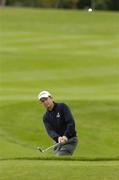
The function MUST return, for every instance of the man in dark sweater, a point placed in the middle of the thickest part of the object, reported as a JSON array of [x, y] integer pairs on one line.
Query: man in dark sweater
[[59, 124]]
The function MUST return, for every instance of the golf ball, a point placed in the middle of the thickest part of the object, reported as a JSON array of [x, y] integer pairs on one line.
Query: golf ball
[[90, 10]]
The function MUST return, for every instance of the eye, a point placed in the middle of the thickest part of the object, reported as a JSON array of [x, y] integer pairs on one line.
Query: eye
[[43, 99]]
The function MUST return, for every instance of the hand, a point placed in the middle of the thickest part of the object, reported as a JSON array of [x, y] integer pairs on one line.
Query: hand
[[65, 139], [62, 139]]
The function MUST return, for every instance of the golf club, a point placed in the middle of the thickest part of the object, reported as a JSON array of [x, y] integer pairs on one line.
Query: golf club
[[50, 147]]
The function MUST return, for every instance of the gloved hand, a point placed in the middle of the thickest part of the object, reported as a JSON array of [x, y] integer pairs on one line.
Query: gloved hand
[[62, 140]]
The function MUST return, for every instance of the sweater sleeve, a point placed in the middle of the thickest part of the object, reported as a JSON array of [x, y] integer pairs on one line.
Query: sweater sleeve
[[70, 124], [50, 130]]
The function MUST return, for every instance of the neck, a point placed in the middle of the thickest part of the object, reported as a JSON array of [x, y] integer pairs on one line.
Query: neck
[[51, 107]]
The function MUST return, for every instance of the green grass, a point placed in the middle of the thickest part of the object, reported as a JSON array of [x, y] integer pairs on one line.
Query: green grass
[[59, 170], [74, 55]]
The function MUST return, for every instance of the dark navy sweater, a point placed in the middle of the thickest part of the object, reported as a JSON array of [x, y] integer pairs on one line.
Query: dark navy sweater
[[59, 122]]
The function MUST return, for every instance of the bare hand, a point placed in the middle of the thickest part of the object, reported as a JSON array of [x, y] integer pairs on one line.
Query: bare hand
[[62, 139]]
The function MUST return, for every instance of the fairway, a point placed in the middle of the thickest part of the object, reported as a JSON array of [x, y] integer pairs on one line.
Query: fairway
[[74, 55]]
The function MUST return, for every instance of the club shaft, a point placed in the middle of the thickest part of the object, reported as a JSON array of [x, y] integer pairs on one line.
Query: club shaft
[[50, 147]]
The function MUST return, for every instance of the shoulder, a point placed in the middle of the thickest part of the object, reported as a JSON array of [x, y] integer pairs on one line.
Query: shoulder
[[45, 115], [62, 105]]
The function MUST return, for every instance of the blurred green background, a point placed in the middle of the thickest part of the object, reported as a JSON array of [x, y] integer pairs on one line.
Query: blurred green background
[[74, 55]]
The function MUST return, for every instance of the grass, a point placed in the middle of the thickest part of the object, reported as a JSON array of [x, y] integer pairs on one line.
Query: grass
[[60, 170], [74, 55]]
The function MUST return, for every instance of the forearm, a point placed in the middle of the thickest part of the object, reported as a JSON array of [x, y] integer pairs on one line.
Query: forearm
[[53, 134], [69, 130]]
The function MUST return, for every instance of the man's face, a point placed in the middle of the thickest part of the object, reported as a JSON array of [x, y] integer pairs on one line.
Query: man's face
[[47, 102]]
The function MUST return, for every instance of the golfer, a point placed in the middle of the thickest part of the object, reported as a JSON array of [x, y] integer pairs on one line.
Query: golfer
[[59, 124]]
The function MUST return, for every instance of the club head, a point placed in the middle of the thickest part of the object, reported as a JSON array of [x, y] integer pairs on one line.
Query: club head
[[38, 148]]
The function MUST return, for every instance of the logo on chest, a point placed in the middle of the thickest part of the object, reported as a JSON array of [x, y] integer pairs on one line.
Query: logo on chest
[[58, 115]]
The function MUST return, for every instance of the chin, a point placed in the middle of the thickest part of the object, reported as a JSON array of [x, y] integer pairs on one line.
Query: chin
[[47, 106]]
